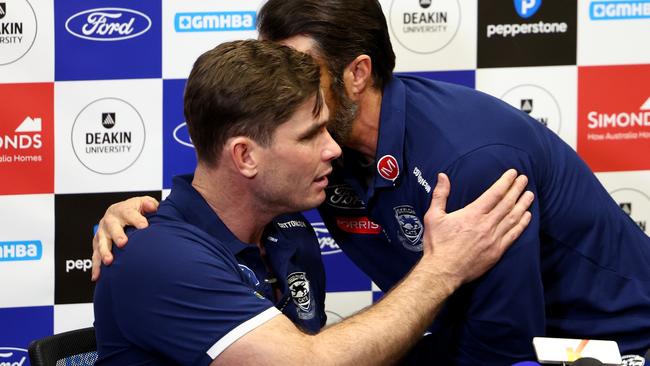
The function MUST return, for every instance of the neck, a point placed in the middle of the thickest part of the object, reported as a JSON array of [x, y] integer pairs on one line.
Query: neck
[[365, 129], [229, 198]]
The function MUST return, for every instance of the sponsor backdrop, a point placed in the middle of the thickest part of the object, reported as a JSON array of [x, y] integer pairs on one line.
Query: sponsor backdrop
[[91, 113]]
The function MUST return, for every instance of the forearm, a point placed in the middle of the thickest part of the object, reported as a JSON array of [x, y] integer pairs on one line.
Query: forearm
[[383, 333]]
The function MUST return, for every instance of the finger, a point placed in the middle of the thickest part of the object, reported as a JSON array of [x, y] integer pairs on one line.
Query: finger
[[490, 198], [97, 261], [514, 216], [514, 233], [130, 217], [509, 201], [149, 205], [440, 195], [104, 246]]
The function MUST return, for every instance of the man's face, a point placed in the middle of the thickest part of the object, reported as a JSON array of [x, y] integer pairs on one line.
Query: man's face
[[343, 111], [294, 167]]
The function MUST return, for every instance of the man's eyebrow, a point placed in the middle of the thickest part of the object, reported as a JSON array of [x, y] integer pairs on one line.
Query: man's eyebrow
[[313, 130]]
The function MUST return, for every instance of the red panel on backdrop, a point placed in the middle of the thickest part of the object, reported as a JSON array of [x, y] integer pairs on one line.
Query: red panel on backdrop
[[614, 117], [27, 138]]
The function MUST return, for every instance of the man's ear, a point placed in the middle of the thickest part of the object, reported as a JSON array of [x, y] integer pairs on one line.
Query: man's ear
[[357, 76], [244, 154]]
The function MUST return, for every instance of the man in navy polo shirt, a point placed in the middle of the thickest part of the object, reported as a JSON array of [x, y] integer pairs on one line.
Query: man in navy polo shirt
[[222, 275], [581, 270]]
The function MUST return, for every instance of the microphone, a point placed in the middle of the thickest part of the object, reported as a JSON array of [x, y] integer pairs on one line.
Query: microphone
[[587, 361]]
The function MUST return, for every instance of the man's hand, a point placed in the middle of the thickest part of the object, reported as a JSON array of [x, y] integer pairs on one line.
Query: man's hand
[[111, 228], [466, 243]]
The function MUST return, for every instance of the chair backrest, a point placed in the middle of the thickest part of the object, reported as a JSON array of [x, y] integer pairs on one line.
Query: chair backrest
[[76, 347]]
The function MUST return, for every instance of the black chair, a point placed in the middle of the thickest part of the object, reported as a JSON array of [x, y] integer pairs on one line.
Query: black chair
[[76, 347]]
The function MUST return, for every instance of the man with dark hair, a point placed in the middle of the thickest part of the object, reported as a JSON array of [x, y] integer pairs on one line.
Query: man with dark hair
[[226, 275], [581, 270]]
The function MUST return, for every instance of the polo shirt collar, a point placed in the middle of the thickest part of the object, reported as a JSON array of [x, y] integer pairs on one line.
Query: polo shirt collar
[[196, 211]]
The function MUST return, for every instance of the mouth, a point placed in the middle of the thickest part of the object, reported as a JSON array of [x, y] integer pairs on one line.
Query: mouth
[[322, 179]]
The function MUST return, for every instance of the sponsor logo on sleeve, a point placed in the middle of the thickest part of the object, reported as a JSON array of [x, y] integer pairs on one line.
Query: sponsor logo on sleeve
[[301, 294], [410, 228], [108, 24]]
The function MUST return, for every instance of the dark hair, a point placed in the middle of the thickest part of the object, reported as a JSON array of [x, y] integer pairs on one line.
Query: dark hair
[[246, 88], [342, 30]]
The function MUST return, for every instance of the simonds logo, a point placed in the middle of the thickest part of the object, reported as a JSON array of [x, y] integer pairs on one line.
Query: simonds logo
[[28, 250], [10, 356], [108, 24]]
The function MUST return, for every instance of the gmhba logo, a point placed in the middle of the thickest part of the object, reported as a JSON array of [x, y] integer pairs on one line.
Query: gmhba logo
[[108, 136], [18, 28], [425, 26]]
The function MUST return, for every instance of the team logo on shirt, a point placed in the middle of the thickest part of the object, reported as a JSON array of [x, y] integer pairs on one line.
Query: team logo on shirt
[[411, 229], [388, 168], [301, 295]]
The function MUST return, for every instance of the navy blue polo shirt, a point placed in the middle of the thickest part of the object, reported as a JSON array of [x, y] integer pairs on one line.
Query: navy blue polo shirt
[[185, 288], [580, 270]]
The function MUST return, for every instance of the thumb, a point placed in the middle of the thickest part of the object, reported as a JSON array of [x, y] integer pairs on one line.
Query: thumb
[[440, 195]]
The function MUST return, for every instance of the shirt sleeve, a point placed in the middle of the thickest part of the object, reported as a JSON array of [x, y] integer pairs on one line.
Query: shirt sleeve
[[176, 295], [497, 315]]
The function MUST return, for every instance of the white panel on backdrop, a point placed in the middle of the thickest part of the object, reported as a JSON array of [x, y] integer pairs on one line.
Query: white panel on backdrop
[[613, 32], [549, 94], [27, 250], [73, 316], [108, 136], [193, 27], [339, 305], [27, 41], [432, 35], [632, 193]]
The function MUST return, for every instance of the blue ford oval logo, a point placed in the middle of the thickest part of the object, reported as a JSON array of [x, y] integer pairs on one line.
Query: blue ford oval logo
[[182, 135], [108, 24], [13, 356], [527, 8]]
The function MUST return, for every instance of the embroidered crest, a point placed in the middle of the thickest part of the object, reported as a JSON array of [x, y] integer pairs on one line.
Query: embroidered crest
[[410, 226], [301, 294]]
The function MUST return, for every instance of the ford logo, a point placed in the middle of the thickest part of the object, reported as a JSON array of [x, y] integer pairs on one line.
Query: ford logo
[[327, 244], [13, 356], [108, 24], [182, 135]]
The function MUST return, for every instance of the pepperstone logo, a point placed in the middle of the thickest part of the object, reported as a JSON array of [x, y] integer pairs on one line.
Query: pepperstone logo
[[619, 10], [423, 26], [18, 29], [635, 204], [215, 21], [527, 8], [530, 32], [108, 24], [537, 102], [108, 136]]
